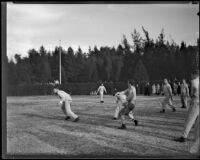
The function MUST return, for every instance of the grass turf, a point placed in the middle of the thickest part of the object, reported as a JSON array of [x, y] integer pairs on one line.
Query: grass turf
[[36, 126]]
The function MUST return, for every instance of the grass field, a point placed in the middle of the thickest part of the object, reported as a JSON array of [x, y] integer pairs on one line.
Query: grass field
[[36, 126]]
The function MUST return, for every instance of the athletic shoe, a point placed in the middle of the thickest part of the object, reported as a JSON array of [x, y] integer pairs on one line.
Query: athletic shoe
[[174, 110], [136, 122], [114, 118], [67, 118], [123, 126], [77, 119], [163, 111], [183, 107], [102, 101], [180, 139]]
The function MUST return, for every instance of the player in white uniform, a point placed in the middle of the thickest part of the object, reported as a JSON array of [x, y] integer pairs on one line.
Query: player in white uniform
[[65, 102], [168, 97], [184, 94], [193, 114], [129, 105], [120, 99], [101, 90]]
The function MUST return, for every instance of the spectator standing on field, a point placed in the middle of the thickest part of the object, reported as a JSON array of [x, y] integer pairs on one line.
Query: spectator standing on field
[[175, 88], [153, 89], [179, 89], [158, 89], [147, 89], [137, 89]]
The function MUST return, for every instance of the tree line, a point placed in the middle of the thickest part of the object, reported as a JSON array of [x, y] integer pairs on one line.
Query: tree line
[[143, 59]]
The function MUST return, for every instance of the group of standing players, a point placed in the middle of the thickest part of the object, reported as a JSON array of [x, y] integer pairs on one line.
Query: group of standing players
[[126, 102]]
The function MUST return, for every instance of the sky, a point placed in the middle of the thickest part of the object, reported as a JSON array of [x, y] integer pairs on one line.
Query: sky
[[33, 25]]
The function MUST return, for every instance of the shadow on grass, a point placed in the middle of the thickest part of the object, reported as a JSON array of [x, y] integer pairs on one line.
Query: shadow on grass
[[107, 121]]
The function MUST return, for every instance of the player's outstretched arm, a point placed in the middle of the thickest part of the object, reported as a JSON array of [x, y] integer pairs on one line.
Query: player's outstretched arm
[[105, 90], [98, 90]]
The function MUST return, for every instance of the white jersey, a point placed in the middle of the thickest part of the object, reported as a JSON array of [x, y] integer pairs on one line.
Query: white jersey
[[184, 89], [130, 94], [101, 89], [64, 96], [121, 97], [167, 90]]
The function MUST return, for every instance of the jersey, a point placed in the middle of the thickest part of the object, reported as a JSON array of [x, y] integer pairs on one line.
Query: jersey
[[184, 89], [121, 97], [101, 89], [167, 90], [130, 94], [64, 96]]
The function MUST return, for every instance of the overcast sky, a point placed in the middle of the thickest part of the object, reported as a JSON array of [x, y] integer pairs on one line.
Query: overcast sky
[[32, 25]]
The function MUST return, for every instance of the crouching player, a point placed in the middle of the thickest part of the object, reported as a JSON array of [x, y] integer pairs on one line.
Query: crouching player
[[128, 105], [168, 97], [65, 102]]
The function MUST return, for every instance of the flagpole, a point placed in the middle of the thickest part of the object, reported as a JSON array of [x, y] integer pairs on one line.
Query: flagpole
[[60, 61]]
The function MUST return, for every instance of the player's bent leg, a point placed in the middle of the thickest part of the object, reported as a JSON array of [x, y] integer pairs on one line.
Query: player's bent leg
[[64, 111], [196, 128], [117, 109], [182, 102], [122, 117], [63, 108], [123, 126], [195, 147], [69, 111], [171, 105], [185, 102], [163, 103], [193, 113]]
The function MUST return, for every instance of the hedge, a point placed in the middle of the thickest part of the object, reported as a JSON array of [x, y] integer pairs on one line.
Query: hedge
[[72, 88]]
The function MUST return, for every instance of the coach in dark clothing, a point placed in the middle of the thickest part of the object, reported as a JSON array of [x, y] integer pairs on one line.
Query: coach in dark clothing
[[147, 89]]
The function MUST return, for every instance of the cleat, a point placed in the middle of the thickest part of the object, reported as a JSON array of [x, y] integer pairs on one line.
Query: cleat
[[123, 126], [180, 139], [136, 122], [183, 107], [77, 119], [114, 118], [174, 110], [67, 118], [163, 111]]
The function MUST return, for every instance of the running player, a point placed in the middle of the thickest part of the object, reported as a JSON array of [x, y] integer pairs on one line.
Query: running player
[[193, 114], [65, 102], [121, 98], [168, 97], [129, 105]]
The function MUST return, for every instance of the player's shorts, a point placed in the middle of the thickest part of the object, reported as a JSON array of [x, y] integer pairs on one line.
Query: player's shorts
[[127, 108]]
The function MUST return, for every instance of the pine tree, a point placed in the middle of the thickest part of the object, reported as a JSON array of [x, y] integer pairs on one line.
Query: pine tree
[[140, 72]]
